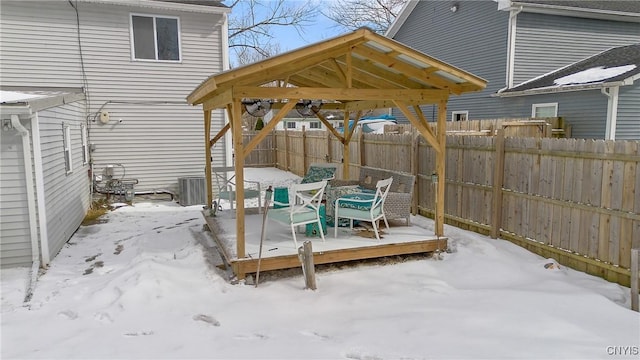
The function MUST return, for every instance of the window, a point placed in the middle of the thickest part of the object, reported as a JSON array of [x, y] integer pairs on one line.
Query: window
[[314, 125], [155, 38], [544, 110], [85, 148], [459, 115], [291, 124], [66, 139]]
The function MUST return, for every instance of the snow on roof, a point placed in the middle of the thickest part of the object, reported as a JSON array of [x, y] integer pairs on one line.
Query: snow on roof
[[614, 65], [15, 96]]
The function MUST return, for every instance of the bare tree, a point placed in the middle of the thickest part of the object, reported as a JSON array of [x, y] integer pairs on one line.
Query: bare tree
[[377, 15], [251, 25]]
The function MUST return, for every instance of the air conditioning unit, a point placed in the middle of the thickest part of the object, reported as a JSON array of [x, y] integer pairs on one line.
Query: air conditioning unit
[[192, 191]]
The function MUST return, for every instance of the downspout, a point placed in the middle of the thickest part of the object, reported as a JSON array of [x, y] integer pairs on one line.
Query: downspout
[[612, 111], [224, 32], [511, 46], [31, 203], [39, 179]]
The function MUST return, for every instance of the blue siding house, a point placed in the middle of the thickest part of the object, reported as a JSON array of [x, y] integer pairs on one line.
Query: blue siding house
[[510, 43]]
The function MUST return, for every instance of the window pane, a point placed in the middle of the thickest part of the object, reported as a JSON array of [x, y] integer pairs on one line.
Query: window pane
[[143, 37], [545, 111], [167, 39]]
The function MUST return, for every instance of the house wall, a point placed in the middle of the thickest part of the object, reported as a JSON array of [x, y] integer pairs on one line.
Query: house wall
[[67, 196], [474, 38], [15, 243], [628, 122], [548, 42], [160, 137]]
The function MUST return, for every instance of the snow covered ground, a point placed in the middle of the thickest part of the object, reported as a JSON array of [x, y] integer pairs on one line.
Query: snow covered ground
[[143, 285]]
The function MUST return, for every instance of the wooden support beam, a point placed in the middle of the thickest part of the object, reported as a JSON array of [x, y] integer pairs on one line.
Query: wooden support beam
[[418, 95], [329, 126], [338, 70], [441, 158], [238, 146], [421, 117], [218, 101], [207, 155], [349, 73], [220, 134], [424, 130], [268, 127], [345, 149], [353, 128]]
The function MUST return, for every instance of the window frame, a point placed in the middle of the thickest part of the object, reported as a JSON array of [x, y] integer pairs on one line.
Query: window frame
[[66, 145], [155, 37], [542, 105], [314, 125], [462, 112], [289, 123], [85, 145]]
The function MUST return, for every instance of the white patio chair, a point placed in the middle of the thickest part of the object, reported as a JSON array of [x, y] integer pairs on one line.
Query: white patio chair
[[225, 180], [305, 208], [364, 207]]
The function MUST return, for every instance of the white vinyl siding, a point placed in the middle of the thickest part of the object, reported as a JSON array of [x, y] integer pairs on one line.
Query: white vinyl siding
[[67, 197], [15, 241], [160, 136], [155, 37]]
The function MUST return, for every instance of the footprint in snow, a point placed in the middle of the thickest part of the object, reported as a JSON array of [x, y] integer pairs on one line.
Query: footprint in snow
[[139, 333], [207, 319], [118, 250], [359, 356], [314, 334], [69, 314], [251, 337]]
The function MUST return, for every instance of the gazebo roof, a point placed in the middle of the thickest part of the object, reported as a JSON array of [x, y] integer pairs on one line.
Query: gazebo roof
[[333, 69]]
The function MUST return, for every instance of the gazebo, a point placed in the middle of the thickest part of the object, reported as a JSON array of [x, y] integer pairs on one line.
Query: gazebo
[[352, 73]]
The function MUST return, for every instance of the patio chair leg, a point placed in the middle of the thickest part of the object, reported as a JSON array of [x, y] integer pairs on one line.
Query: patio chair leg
[[321, 232], [375, 229], [293, 232]]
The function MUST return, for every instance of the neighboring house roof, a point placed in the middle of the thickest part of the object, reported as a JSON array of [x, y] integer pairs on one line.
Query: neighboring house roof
[[616, 66], [198, 6], [602, 9]]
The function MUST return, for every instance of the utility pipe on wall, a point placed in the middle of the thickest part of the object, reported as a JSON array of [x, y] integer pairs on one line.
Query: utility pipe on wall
[[39, 180], [612, 112], [31, 202]]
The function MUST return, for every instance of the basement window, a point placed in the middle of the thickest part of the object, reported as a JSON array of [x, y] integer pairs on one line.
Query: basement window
[[459, 115], [155, 37], [544, 110], [66, 140]]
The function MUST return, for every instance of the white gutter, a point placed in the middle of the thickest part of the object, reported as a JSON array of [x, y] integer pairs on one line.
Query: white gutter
[[612, 111], [559, 89], [39, 179], [31, 203], [511, 47], [164, 5]]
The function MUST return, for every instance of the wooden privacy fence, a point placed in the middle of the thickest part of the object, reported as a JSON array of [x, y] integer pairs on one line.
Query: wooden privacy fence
[[575, 200]]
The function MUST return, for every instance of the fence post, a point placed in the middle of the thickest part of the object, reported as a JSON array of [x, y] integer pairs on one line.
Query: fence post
[[415, 144], [304, 149], [498, 178], [361, 146], [286, 148], [635, 259]]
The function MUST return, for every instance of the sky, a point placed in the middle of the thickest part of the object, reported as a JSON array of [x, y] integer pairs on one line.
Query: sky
[[143, 283]]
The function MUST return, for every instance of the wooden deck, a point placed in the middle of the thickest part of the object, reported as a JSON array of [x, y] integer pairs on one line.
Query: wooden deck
[[279, 251]]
